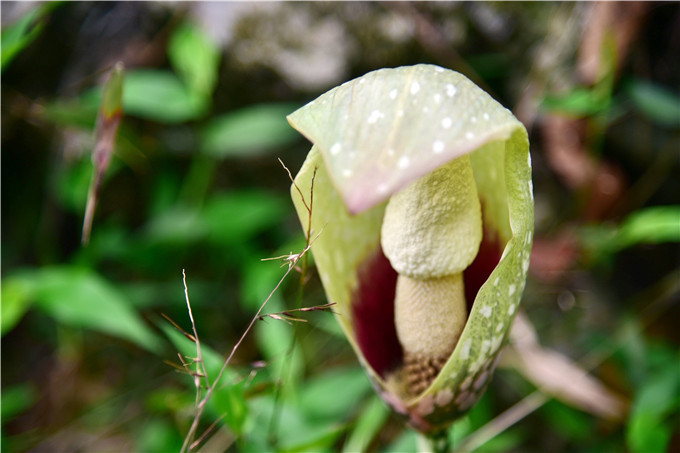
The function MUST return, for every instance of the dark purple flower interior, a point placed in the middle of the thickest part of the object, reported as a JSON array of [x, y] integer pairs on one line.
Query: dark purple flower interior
[[373, 302]]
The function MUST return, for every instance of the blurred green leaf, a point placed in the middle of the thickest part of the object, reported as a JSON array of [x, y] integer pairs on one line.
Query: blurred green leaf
[[407, 441], [72, 184], [296, 431], [373, 416], [178, 225], [16, 300], [659, 104], [275, 341], [160, 96], [570, 423], [579, 102], [249, 131], [158, 435], [195, 58], [16, 399], [79, 112], [228, 400], [653, 225], [20, 34], [259, 279], [78, 297], [335, 393], [238, 216]]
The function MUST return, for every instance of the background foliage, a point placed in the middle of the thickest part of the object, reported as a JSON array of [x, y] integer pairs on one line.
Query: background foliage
[[90, 364]]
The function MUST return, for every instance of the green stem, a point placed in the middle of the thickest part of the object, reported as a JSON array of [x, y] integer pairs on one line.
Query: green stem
[[436, 442]]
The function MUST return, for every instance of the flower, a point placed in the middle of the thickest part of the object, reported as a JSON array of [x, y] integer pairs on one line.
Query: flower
[[422, 195]]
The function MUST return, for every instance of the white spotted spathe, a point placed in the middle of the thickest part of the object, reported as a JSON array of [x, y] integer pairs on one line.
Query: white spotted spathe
[[400, 124]]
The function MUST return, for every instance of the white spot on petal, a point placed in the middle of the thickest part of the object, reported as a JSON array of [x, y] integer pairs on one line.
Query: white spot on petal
[[382, 188], [447, 122], [469, 135], [393, 94], [415, 87], [347, 173], [486, 117], [404, 162], [443, 397], [511, 309], [400, 113], [473, 119], [499, 327], [375, 116], [465, 350], [485, 311], [438, 146], [336, 148], [486, 345], [511, 289], [390, 152], [450, 90], [437, 98]]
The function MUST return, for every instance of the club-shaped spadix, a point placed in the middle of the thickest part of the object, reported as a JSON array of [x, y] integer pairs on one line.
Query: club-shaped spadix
[[421, 176]]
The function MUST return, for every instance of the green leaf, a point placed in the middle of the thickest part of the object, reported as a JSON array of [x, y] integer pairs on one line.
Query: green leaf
[[20, 34], [239, 216], [80, 112], [160, 96], [16, 300], [16, 399], [248, 131], [158, 435], [653, 225], [334, 394], [659, 104], [373, 416], [274, 339], [579, 102], [228, 400], [80, 298], [195, 58], [296, 432]]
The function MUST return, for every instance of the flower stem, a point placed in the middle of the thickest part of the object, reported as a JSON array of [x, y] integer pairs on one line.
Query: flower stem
[[435, 442]]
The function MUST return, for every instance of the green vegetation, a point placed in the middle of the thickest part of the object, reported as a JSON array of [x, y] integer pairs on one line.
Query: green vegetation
[[91, 360]]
